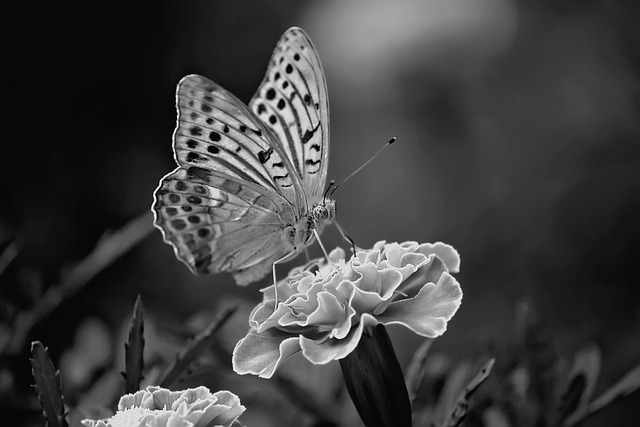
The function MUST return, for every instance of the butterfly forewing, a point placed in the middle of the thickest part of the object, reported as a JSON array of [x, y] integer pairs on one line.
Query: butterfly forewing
[[216, 131], [292, 101]]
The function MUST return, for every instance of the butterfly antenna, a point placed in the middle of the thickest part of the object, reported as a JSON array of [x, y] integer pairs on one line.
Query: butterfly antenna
[[391, 141], [324, 197]]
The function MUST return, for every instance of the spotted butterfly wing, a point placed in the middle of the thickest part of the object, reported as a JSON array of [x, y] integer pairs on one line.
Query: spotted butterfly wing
[[245, 187], [292, 100]]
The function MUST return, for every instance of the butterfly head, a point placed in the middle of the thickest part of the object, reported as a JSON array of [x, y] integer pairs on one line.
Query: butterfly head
[[325, 211]]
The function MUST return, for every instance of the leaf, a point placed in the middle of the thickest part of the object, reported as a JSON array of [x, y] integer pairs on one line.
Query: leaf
[[459, 411], [453, 384], [629, 383], [582, 382], [374, 380], [133, 350], [109, 248], [193, 349], [47, 385], [416, 369]]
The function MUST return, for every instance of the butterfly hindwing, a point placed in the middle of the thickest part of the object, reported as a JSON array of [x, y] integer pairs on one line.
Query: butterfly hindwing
[[292, 101], [217, 223]]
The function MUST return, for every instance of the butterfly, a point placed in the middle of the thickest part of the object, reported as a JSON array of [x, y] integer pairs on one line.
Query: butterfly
[[248, 190]]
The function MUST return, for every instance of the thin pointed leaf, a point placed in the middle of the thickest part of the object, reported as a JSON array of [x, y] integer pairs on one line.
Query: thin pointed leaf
[[582, 382], [454, 383], [375, 383], [627, 385], [133, 350], [194, 348], [459, 411], [416, 369], [47, 385]]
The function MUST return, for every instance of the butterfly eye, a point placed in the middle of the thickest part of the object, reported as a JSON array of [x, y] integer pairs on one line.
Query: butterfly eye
[[320, 213]]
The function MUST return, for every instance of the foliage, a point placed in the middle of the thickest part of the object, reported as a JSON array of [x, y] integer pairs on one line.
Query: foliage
[[47, 385], [530, 385]]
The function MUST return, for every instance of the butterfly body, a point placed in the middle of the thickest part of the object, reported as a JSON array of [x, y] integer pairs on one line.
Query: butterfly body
[[301, 231], [247, 191]]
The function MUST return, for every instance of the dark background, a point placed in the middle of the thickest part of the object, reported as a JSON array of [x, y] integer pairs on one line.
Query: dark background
[[518, 143]]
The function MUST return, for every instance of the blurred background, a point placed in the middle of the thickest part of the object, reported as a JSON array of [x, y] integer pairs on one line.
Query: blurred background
[[518, 143]]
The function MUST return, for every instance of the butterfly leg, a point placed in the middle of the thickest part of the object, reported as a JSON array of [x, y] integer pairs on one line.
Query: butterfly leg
[[345, 236], [288, 257], [315, 232]]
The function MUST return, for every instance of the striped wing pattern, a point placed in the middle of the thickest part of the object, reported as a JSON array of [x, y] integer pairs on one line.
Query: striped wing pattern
[[216, 131], [292, 101]]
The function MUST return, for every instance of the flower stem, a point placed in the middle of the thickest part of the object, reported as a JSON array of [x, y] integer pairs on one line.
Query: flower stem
[[375, 382]]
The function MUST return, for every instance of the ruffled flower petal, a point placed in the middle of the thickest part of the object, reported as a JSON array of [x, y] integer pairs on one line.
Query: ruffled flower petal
[[261, 354], [445, 252], [321, 353], [159, 407], [323, 307], [429, 311]]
